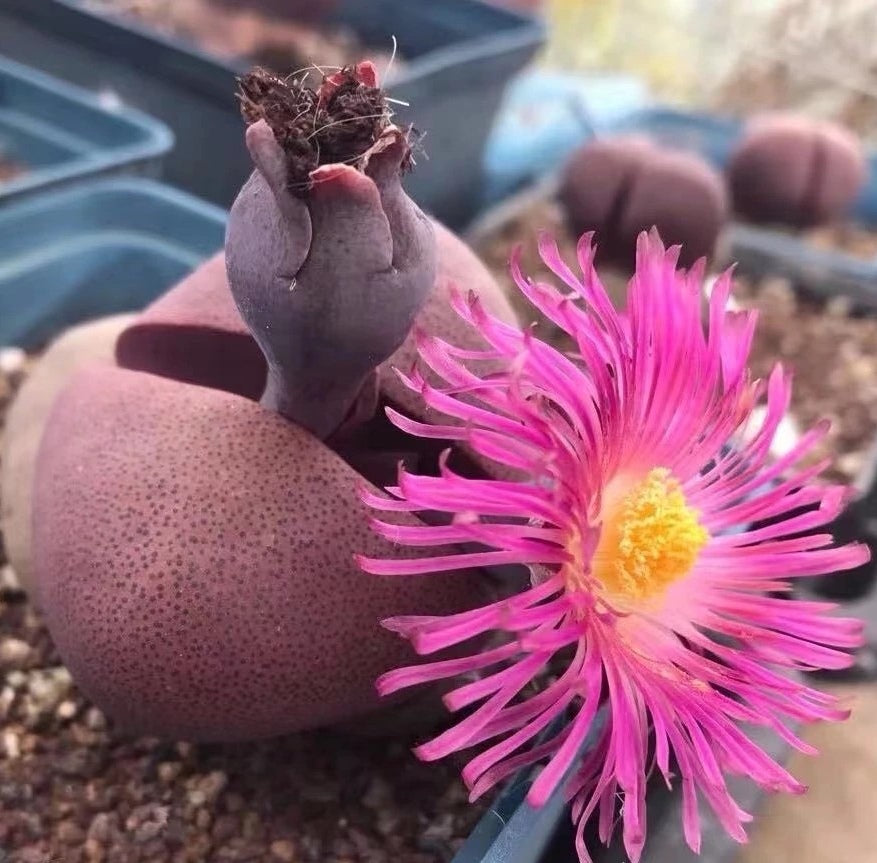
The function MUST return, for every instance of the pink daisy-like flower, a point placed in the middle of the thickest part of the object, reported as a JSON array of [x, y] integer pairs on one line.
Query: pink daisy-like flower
[[649, 591]]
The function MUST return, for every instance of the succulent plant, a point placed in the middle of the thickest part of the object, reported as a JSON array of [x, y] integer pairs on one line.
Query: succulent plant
[[621, 186], [329, 263], [193, 548], [792, 170]]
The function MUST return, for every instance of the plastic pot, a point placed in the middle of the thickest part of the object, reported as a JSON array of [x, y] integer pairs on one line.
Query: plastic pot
[[58, 133], [96, 249], [460, 56]]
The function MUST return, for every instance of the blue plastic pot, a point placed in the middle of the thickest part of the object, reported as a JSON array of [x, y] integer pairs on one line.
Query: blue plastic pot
[[712, 136], [96, 249], [545, 115], [763, 250], [459, 54], [59, 133]]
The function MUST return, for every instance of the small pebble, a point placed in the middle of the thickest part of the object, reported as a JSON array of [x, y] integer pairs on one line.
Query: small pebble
[[11, 745], [94, 851], [101, 827], [95, 720], [283, 850], [147, 832], [14, 653], [197, 798], [7, 699], [9, 583], [12, 362], [213, 785], [203, 819], [66, 710], [49, 687], [168, 771], [71, 833], [851, 463], [16, 680], [185, 750]]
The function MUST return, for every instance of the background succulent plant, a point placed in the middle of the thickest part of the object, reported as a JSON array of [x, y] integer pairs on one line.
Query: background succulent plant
[[793, 170], [621, 186]]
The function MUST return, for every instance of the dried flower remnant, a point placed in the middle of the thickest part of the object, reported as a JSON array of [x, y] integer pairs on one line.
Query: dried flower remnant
[[339, 123], [647, 584]]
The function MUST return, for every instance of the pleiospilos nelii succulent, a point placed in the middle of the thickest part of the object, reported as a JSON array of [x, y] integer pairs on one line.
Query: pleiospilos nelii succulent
[[793, 170], [193, 548], [621, 186]]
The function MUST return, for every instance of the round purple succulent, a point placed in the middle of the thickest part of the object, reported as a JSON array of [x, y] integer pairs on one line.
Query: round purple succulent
[[621, 186], [196, 505], [793, 170]]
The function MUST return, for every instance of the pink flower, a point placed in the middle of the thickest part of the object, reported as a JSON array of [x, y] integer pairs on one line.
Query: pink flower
[[648, 591]]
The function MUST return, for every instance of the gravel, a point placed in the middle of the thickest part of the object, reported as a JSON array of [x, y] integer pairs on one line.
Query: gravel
[[848, 238], [73, 789], [834, 357]]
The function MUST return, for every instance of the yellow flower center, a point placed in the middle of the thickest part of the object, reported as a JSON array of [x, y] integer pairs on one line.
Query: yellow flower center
[[650, 537]]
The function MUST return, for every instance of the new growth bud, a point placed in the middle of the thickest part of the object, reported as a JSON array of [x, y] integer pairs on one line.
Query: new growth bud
[[328, 259]]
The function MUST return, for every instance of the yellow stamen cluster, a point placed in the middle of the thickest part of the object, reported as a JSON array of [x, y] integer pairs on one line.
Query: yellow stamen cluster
[[650, 538]]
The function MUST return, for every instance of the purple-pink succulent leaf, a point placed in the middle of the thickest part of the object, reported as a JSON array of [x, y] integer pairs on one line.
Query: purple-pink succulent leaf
[[330, 284]]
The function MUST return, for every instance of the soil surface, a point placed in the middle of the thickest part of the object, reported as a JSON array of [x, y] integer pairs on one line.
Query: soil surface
[[834, 357], [73, 789], [851, 239], [494, 250]]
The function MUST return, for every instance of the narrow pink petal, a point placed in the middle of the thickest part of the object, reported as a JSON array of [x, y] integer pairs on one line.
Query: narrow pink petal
[[451, 562], [413, 675], [500, 751], [460, 735]]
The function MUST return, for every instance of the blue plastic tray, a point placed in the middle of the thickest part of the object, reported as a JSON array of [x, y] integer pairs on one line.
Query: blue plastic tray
[[712, 136], [59, 133], [460, 54], [96, 249], [763, 250]]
